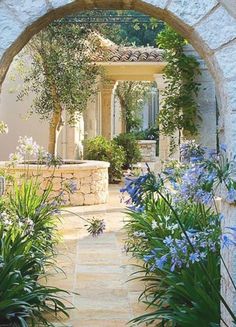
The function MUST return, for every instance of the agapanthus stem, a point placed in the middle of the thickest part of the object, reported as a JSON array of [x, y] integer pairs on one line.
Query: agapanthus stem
[[73, 213]]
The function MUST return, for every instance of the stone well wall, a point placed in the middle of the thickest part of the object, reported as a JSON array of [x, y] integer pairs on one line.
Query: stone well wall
[[90, 179], [148, 150]]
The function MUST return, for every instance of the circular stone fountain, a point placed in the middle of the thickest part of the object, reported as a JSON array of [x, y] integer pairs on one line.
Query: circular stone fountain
[[89, 179]]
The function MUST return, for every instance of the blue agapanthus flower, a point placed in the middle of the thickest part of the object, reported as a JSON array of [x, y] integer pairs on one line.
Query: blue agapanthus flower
[[231, 195]]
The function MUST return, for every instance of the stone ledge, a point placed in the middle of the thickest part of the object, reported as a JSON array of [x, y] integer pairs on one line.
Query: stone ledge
[[77, 166], [146, 142]]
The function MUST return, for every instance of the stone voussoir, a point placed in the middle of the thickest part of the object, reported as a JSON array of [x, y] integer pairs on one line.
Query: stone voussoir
[[191, 12], [207, 28]]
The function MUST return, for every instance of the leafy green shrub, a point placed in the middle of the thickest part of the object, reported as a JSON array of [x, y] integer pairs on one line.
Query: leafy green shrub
[[38, 210], [151, 133], [102, 149], [174, 227], [129, 144], [178, 295], [23, 301], [28, 235]]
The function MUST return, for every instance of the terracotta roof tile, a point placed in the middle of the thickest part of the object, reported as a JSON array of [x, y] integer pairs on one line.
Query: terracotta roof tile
[[130, 54]]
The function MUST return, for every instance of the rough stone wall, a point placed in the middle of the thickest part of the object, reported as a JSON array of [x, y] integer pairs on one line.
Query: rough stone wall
[[209, 25], [91, 185]]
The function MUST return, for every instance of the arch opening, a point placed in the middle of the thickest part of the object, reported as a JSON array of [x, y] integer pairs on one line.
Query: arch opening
[[208, 25]]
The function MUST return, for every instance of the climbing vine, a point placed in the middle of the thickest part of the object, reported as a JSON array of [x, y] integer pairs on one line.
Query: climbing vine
[[179, 110]]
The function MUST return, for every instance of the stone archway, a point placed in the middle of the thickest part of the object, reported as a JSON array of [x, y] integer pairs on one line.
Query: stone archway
[[198, 20], [209, 25]]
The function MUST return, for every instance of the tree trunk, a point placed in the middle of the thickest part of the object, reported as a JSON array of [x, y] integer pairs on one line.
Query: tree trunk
[[55, 124]]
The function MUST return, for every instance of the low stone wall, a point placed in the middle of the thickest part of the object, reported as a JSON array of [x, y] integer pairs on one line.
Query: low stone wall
[[148, 150], [89, 179]]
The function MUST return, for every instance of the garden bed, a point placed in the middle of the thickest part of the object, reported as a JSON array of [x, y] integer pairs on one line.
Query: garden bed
[[89, 180]]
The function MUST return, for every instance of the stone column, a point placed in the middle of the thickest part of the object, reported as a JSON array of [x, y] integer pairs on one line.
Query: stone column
[[90, 118], [106, 99], [163, 140]]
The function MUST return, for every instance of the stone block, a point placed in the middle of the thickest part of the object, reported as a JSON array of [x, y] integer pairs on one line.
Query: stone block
[[27, 10], [97, 176], [190, 12], [86, 189], [89, 199], [230, 95], [59, 3], [230, 6], [82, 174], [95, 186], [219, 20], [77, 199], [10, 27], [85, 181], [68, 175], [225, 60], [46, 174], [157, 3]]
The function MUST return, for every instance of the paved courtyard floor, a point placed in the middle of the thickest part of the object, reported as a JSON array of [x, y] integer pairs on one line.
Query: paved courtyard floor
[[97, 268]]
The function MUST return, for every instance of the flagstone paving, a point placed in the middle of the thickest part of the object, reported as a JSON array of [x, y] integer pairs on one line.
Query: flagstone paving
[[97, 268]]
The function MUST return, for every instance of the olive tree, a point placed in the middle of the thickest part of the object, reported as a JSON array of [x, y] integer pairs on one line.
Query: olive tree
[[60, 74]]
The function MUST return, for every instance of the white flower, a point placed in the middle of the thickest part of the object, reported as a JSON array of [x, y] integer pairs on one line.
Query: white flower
[[42, 153], [139, 234], [27, 146], [154, 224], [173, 227], [167, 218], [29, 225], [5, 218], [15, 158]]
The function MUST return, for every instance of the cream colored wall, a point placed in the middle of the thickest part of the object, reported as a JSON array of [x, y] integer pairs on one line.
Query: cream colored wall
[[14, 114]]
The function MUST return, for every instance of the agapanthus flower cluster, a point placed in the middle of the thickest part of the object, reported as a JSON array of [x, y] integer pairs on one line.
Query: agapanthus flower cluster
[[135, 191], [196, 184], [15, 158], [27, 147], [229, 237], [166, 223], [177, 253], [70, 186], [28, 225], [231, 195], [96, 226], [7, 221], [190, 151]]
